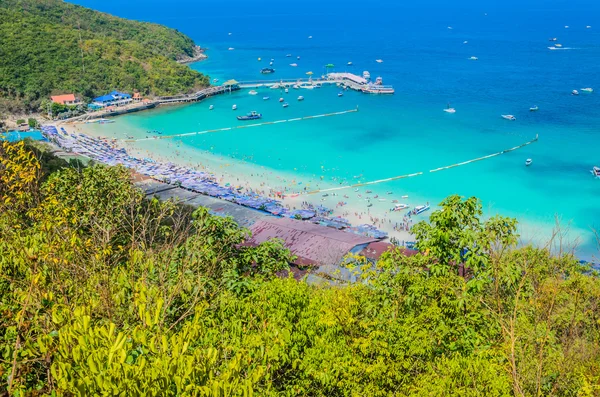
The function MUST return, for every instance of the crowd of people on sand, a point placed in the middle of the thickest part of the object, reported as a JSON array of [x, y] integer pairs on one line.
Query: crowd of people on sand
[[200, 179]]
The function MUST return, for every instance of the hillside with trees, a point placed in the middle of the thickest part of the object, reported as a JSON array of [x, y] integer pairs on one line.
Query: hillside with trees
[[49, 47], [106, 292]]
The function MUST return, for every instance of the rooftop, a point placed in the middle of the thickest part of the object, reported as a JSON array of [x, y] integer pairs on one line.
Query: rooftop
[[63, 98]]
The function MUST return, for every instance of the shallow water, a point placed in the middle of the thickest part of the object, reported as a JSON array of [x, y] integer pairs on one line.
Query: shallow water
[[408, 132]]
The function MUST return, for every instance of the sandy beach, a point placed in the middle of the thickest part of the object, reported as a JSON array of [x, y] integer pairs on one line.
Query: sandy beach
[[359, 206]]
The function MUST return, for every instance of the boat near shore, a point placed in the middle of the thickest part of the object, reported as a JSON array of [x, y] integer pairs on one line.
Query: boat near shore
[[596, 171], [420, 209], [509, 117], [253, 115]]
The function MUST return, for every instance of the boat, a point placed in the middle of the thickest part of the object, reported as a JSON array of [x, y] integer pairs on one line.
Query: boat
[[553, 39], [288, 55], [310, 37], [253, 115], [286, 90], [211, 107], [231, 48], [265, 98], [596, 171], [285, 105], [405, 196], [105, 121], [300, 98], [340, 94], [528, 162], [298, 57], [377, 89], [271, 63], [588, 27], [234, 107], [400, 207], [259, 59], [215, 80], [534, 109], [296, 87], [420, 209], [272, 59], [379, 60], [275, 86], [450, 110], [574, 92], [349, 63], [366, 75], [509, 117], [281, 99], [267, 70], [252, 92], [293, 65], [587, 90], [558, 45], [473, 59], [465, 42]]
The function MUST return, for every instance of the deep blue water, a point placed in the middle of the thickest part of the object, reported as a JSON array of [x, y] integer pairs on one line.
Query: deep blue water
[[427, 64]]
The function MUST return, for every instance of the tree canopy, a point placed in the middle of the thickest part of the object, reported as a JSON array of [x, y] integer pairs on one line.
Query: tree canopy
[[104, 291], [51, 47]]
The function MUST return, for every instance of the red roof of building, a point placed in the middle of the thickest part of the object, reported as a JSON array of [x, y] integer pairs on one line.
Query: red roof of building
[[313, 244], [63, 98]]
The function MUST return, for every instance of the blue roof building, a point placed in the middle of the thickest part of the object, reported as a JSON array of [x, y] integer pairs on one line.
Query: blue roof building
[[113, 98]]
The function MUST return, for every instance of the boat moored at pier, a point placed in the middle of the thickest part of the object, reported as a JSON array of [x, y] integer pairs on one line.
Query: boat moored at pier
[[253, 115]]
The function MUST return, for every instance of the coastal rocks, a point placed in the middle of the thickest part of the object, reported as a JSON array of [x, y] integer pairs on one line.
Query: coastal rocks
[[198, 55]]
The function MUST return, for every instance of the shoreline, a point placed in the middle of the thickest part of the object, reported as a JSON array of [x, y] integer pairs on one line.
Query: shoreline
[[199, 55], [268, 183]]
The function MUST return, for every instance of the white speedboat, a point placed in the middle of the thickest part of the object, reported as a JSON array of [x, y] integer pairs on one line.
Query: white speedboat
[[231, 48], [296, 87], [340, 94], [420, 209], [300, 98], [215, 80], [265, 98], [473, 59], [588, 27], [310, 37], [252, 92], [450, 110], [596, 171], [293, 65], [281, 99], [553, 39], [285, 105], [465, 42], [275, 86], [509, 117], [587, 90], [288, 55], [286, 90], [349, 63], [379, 60], [534, 109], [528, 162], [574, 92], [211, 107], [234, 107], [400, 207]]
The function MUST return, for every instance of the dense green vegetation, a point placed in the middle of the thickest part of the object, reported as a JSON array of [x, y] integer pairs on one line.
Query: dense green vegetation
[[103, 292], [49, 47]]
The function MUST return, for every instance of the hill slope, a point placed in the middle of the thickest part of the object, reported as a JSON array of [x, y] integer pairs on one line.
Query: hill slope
[[49, 46]]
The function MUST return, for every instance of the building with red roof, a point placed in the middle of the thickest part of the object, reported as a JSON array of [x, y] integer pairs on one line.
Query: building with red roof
[[66, 99]]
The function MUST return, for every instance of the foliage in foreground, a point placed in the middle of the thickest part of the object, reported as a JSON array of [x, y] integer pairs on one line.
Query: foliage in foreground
[[52, 47], [105, 292]]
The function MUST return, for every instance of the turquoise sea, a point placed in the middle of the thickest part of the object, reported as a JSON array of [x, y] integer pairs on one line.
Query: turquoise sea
[[427, 63]]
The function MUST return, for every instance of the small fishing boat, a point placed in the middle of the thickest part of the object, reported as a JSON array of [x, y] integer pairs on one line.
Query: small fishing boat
[[509, 117], [420, 209], [252, 92], [285, 105], [379, 60], [281, 99], [449, 109], [473, 59], [528, 162], [211, 107], [267, 70], [596, 171], [340, 94], [253, 115], [534, 109], [400, 207], [234, 107], [300, 98], [574, 92], [265, 98], [587, 90]]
